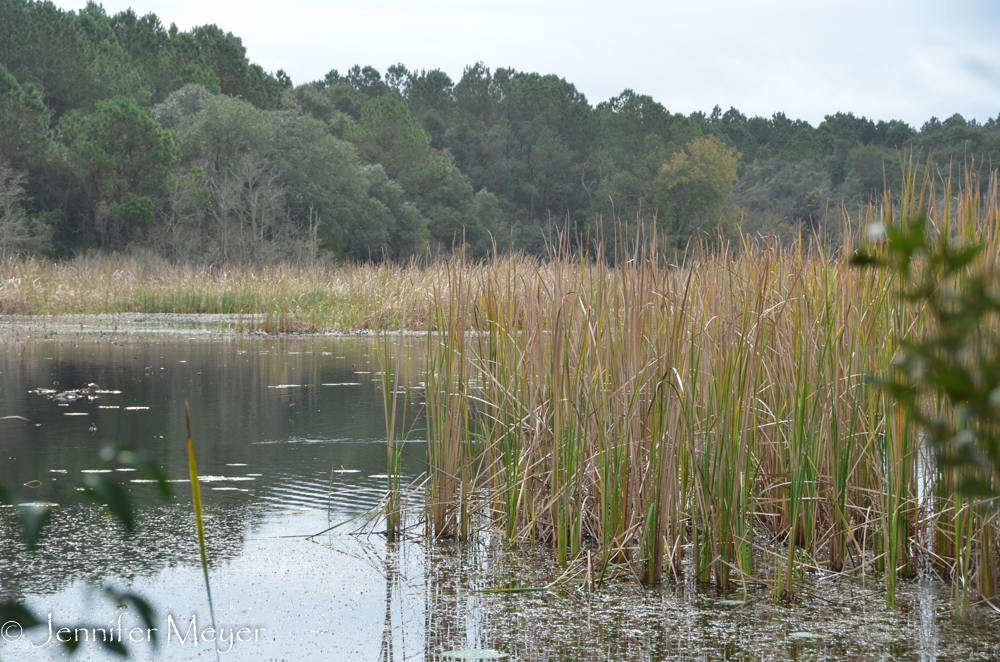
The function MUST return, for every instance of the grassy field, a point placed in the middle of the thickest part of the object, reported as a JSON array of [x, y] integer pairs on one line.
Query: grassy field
[[637, 417]]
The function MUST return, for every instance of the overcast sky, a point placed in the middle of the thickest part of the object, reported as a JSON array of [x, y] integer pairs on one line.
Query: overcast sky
[[886, 60]]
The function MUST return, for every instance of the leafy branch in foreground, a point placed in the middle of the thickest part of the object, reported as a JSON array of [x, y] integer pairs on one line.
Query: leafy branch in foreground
[[108, 492], [955, 365]]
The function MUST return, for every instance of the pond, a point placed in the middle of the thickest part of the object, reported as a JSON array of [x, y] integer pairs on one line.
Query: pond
[[290, 438]]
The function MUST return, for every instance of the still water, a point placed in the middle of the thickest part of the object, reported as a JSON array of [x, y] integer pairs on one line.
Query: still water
[[290, 436]]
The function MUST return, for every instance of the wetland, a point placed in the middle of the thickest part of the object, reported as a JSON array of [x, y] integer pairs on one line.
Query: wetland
[[291, 439]]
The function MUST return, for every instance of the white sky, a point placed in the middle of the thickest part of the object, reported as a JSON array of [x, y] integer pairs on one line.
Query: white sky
[[883, 59]]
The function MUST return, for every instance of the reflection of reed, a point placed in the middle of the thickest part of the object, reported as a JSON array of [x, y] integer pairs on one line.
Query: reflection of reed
[[448, 602], [391, 582]]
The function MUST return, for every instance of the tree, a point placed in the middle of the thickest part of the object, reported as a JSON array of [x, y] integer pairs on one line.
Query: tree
[[225, 130], [186, 101], [637, 135], [327, 185], [118, 149], [25, 139], [429, 96], [692, 186], [389, 135], [458, 218], [19, 232]]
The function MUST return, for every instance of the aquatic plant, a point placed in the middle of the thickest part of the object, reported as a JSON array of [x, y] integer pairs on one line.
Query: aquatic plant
[[727, 403], [199, 517]]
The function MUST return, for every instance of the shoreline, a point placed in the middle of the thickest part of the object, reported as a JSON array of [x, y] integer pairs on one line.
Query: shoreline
[[169, 324]]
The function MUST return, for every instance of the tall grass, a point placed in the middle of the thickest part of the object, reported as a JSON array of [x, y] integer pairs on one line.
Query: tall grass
[[712, 414]]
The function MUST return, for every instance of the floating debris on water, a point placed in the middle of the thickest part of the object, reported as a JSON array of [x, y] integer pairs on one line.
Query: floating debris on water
[[90, 392], [484, 654]]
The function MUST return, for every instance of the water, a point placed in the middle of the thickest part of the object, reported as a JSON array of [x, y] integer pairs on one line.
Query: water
[[292, 455]]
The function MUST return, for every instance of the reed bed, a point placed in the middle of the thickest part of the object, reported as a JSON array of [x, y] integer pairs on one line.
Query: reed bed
[[283, 298], [710, 416]]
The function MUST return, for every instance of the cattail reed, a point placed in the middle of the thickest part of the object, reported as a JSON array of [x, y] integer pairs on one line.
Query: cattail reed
[[708, 415]]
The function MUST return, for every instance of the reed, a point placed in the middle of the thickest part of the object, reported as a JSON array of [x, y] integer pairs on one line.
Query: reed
[[392, 374], [199, 517]]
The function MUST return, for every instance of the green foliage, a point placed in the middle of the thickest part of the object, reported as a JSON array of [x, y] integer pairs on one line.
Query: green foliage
[[318, 104], [637, 135], [692, 185], [25, 139], [195, 74], [118, 148], [225, 129], [957, 364], [325, 181], [389, 135], [458, 218], [132, 211]]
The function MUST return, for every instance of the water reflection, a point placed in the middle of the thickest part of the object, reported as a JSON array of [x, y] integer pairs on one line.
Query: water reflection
[[270, 436], [293, 430]]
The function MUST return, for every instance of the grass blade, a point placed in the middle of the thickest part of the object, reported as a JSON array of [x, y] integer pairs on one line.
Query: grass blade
[[198, 517]]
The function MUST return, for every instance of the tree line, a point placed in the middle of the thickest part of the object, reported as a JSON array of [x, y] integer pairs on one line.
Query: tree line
[[118, 133]]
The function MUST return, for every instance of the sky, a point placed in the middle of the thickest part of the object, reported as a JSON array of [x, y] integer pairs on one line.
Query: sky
[[881, 59]]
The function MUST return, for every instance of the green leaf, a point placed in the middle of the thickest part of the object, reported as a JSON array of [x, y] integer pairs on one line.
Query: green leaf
[[13, 611], [862, 258], [33, 520], [72, 643], [116, 647], [145, 610], [110, 493]]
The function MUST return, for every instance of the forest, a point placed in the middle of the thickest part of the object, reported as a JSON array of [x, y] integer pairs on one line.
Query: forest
[[118, 134]]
